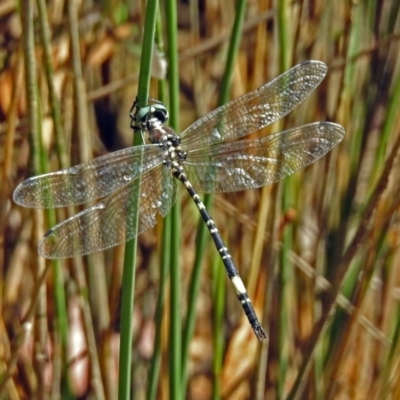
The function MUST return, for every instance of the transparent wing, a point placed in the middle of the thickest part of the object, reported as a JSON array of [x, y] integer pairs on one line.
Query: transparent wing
[[253, 163], [88, 181], [257, 109], [111, 221]]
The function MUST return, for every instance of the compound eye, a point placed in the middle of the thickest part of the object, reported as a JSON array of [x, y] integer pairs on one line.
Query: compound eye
[[160, 112], [141, 115], [161, 115]]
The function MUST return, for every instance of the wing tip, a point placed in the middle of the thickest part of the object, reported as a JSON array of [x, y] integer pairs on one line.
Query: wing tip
[[335, 128], [19, 194]]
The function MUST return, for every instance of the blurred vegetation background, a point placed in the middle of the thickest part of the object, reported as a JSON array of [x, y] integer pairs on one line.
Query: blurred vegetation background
[[318, 252]]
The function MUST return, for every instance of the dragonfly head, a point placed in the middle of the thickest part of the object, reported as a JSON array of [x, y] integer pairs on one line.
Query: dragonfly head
[[152, 116]]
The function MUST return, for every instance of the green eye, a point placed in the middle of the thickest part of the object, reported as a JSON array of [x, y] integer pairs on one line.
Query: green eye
[[159, 111], [141, 116]]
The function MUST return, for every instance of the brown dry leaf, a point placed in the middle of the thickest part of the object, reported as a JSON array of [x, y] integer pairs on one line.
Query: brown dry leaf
[[6, 85], [101, 52], [241, 356]]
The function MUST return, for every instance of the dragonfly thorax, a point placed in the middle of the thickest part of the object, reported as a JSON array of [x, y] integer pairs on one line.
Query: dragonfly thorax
[[170, 143]]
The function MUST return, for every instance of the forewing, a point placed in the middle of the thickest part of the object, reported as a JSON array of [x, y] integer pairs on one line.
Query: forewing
[[112, 221], [88, 181], [253, 163], [257, 109]]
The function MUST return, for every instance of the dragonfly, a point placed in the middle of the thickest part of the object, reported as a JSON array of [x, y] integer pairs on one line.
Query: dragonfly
[[139, 183]]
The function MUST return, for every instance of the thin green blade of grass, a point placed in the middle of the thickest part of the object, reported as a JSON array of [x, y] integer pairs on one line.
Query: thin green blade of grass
[[129, 269], [59, 293], [175, 332], [165, 258]]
